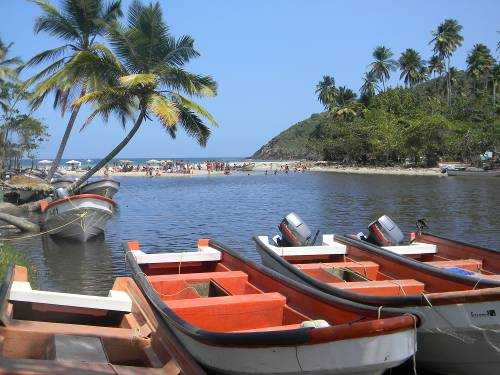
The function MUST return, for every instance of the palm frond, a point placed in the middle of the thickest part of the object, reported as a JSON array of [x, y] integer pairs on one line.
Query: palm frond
[[50, 54], [166, 110], [53, 22], [194, 126], [185, 102], [138, 80]]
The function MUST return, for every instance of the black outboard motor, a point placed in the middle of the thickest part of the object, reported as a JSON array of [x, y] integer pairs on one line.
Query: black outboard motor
[[384, 232], [294, 232]]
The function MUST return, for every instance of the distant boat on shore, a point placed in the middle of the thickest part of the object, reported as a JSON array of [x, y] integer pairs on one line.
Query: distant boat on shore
[[105, 187], [476, 172]]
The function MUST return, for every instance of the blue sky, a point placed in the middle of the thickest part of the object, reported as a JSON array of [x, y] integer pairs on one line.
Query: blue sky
[[267, 56]]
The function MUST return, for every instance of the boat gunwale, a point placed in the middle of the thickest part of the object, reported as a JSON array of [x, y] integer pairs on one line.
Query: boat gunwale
[[438, 298], [99, 181], [393, 320], [462, 243], [77, 197]]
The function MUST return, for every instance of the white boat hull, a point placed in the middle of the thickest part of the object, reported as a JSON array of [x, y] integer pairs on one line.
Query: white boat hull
[[78, 219], [360, 356], [453, 339], [106, 188], [460, 338]]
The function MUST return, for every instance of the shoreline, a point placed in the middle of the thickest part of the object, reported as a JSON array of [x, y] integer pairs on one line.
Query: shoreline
[[271, 166]]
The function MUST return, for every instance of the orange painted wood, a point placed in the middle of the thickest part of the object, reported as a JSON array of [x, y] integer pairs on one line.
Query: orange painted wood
[[383, 287], [134, 245], [455, 250], [286, 327], [367, 269], [230, 313], [466, 264]]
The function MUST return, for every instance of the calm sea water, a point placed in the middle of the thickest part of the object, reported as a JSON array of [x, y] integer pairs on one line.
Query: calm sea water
[[170, 214]]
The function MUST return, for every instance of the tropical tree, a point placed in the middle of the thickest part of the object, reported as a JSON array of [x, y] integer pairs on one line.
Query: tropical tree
[[495, 77], [71, 67], [8, 65], [326, 91], [412, 67], [150, 81], [383, 64], [479, 63], [369, 87], [344, 96], [446, 39], [435, 66]]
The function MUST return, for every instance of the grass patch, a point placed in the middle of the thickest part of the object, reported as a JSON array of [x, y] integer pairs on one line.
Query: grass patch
[[8, 254]]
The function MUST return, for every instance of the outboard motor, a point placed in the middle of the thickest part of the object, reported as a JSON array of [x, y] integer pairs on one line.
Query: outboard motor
[[384, 232], [294, 232]]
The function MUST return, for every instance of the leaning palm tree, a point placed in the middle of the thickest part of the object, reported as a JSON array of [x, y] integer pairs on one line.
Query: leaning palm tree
[[411, 66], [78, 23], [326, 91], [151, 81], [383, 64], [447, 39], [479, 63]]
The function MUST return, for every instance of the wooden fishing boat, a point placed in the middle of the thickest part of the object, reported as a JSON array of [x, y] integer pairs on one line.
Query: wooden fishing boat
[[105, 187], [60, 333], [455, 288], [77, 217], [238, 317]]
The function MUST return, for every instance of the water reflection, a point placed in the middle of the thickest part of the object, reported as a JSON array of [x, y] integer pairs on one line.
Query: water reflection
[[172, 213]]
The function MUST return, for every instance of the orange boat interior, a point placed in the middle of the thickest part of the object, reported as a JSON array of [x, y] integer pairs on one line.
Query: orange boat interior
[[367, 273], [48, 338], [231, 296]]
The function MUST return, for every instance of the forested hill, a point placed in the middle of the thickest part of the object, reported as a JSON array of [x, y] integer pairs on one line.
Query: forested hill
[[296, 142], [398, 125]]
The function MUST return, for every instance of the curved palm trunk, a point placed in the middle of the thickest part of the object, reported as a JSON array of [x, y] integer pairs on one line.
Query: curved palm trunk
[[448, 83], [62, 145], [75, 185]]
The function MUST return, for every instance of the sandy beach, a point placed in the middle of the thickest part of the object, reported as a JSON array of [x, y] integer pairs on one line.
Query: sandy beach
[[271, 166]]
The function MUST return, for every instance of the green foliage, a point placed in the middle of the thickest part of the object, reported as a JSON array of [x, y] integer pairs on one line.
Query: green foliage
[[8, 255]]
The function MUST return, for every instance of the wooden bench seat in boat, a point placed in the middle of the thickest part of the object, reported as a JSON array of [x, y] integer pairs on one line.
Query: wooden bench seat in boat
[[230, 313], [466, 264], [383, 287], [317, 270]]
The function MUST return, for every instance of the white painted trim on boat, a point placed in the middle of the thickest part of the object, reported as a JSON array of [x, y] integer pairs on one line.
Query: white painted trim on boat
[[414, 248], [329, 247], [115, 301], [204, 254]]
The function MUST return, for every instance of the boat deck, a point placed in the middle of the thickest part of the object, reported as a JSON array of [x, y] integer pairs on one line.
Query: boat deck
[[375, 278]]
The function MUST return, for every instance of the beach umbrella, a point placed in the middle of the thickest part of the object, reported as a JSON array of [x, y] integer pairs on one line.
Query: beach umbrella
[[153, 161], [73, 162], [45, 162]]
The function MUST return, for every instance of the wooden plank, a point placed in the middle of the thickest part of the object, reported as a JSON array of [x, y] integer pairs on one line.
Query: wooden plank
[[116, 300]]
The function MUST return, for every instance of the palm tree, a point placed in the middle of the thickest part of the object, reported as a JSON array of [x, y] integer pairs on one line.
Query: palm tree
[[435, 66], [8, 64], [370, 86], [495, 77], [447, 39], [344, 96], [412, 67], [151, 81], [479, 62], [78, 23], [326, 91], [383, 65]]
